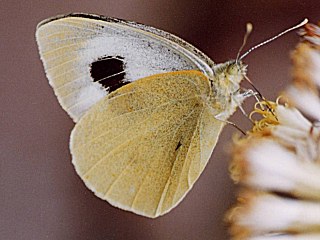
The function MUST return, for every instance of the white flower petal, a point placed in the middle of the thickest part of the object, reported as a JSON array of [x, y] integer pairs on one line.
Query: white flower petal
[[314, 69], [268, 213], [305, 100], [292, 117], [273, 167], [315, 236]]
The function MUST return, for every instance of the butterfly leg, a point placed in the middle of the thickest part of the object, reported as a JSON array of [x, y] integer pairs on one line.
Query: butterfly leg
[[239, 97]]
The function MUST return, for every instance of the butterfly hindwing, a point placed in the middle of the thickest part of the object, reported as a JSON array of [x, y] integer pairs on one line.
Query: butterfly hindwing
[[86, 57], [143, 146]]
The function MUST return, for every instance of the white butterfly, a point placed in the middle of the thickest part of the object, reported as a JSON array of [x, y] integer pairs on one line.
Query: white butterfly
[[148, 106]]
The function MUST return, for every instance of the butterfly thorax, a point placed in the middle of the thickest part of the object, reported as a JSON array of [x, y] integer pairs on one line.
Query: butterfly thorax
[[225, 84]]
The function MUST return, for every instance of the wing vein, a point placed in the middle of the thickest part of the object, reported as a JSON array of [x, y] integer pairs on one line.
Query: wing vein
[[131, 162], [184, 163], [139, 123], [165, 189]]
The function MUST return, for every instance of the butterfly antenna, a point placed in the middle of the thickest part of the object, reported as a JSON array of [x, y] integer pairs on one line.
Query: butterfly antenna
[[273, 38], [249, 28]]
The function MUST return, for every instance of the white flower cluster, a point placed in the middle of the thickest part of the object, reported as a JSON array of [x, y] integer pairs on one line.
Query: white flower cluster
[[278, 163]]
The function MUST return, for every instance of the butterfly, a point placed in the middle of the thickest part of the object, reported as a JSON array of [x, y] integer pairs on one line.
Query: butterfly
[[148, 107]]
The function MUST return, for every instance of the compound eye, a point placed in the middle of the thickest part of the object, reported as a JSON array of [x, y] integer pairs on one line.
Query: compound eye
[[233, 69]]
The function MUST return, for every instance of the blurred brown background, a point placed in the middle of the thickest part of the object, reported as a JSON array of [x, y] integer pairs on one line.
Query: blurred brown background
[[41, 197]]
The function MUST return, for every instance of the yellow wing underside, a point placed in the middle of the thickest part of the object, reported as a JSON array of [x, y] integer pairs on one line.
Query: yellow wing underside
[[143, 146]]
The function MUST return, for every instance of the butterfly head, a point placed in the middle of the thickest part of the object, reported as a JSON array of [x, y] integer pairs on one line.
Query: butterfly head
[[226, 96], [235, 72], [228, 76]]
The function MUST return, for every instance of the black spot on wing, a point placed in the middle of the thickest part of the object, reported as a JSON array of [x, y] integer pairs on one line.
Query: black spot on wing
[[109, 71], [178, 146]]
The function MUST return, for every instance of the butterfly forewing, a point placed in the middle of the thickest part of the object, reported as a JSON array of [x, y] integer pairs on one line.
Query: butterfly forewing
[[86, 57], [143, 146]]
